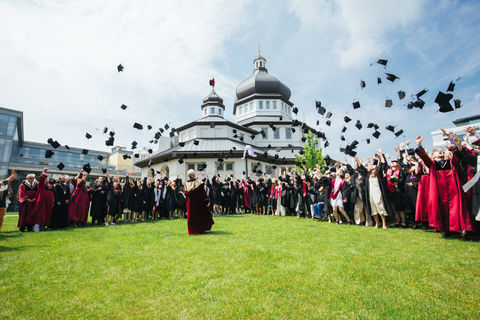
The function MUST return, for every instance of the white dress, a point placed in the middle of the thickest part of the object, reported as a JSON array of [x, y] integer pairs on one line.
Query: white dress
[[338, 202], [376, 201]]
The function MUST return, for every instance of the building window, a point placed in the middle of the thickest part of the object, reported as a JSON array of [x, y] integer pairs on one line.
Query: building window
[[220, 111], [201, 165], [205, 111], [251, 106], [229, 166], [289, 110], [190, 166], [240, 110], [274, 104], [276, 134], [260, 105], [219, 166], [212, 110], [288, 133], [267, 104], [265, 137]]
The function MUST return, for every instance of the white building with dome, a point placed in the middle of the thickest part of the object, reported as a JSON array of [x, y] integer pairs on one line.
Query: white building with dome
[[263, 120]]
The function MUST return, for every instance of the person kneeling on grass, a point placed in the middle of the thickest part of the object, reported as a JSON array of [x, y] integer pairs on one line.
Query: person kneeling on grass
[[199, 216]]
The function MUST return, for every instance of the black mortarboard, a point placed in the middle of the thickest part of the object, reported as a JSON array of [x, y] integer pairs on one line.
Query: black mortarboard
[[137, 126], [301, 152], [362, 84], [67, 147], [100, 157], [370, 125], [104, 170], [375, 126], [49, 153], [344, 129], [180, 160], [134, 144], [220, 160], [166, 126], [136, 155], [376, 134], [241, 138], [328, 123], [111, 133], [328, 115], [388, 103], [383, 62], [236, 136], [458, 103], [123, 107], [443, 100], [54, 144], [419, 103], [87, 168], [161, 130], [410, 105], [401, 94], [347, 119], [85, 151], [451, 86], [358, 125], [212, 125], [196, 142], [398, 133], [368, 141], [120, 68], [391, 77], [342, 138], [379, 80], [149, 127], [320, 109], [109, 142], [157, 135], [181, 144], [252, 136], [172, 134], [293, 130], [150, 151], [295, 110], [304, 139], [105, 130], [126, 156], [60, 166], [356, 105], [151, 141], [390, 128], [326, 144], [305, 129], [421, 93]]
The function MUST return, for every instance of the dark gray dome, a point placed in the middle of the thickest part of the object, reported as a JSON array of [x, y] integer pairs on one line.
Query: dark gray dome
[[213, 99]]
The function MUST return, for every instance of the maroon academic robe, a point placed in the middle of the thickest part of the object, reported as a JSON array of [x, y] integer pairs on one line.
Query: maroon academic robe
[[42, 212], [199, 216], [246, 196], [421, 211], [26, 192], [79, 202], [447, 203]]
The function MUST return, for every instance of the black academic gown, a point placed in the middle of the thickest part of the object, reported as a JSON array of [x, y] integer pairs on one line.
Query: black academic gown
[[61, 194]]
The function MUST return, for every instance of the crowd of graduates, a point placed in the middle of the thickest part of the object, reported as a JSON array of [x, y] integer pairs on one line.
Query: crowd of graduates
[[412, 189]]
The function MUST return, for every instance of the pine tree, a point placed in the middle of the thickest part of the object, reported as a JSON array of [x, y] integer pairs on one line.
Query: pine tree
[[312, 155]]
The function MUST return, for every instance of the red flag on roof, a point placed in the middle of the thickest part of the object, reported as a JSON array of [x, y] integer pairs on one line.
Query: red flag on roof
[[212, 82]]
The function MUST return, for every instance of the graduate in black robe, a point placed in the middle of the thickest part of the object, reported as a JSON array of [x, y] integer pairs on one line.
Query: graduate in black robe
[[98, 209], [61, 193], [149, 198], [114, 201]]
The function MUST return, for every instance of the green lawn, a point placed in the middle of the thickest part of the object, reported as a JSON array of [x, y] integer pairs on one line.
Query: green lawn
[[248, 267]]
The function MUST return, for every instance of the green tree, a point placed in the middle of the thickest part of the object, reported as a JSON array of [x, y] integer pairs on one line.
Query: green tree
[[312, 155]]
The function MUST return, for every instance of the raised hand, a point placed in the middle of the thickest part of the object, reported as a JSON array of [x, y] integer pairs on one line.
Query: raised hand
[[471, 130], [419, 140]]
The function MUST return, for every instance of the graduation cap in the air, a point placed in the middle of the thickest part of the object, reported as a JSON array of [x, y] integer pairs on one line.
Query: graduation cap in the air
[[241, 138], [172, 134], [85, 151], [320, 109], [293, 130], [318, 122], [399, 133], [370, 125], [390, 128], [60, 166], [376, 134], [105, 130], [137, 155], [111, 133], [134, 144], [388, 103], [181, 144], [157, 135], [328, 115], [358, 125], [104, 170], [391, 77], [137, 126], [342, 138], [180, 160], [149, 127], [150, 151], [347, 119], [328, 123], [236, 136], [49, 153], [326, 144], [451, 86], [120, 68], [295, 123], [362, 84], [87, 168], [126, 156], [344, 129], [295, 110], [110, 141], [419, 103], [421, 93], [383, 62], [100, 157], [161, 130], [220, 159], [54, 144], [67, 147], [356, 105], [123, 107], [196, 142], [368, 141], [166, 126], [379, 80], [458, 103], [401, 94], [443, 100], [252, 136]]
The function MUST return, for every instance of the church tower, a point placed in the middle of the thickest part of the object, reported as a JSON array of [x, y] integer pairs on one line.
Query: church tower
[[213, 105]]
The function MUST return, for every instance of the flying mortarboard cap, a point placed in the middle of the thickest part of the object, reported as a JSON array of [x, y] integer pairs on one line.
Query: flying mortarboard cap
[[328, 115], [458, 103], [293, 130], [411, 105], [451, 86], [241, 138], [85, 151], [196, 142], [347, 119], [356, 105], [390, 128], [236, 136], [136, 155], [180, 160], [49, 153], [157, 135], [419, 103], [67, 147], [358, 125], [105, 130], [54, 144], [234, 130], [370, 125], [212, 125], [301, 152], [295, 110], [318, 122], [161, 130], [443, 100], [220, 159], [398, 133], [123, 107], [137, 126], [368, 141], [362, 84], [388, 103], [172, 134], [391, 77], [60, 166], [328, 123], [104, 170], [344, 129], [252, 136], [401, 94], [109, 142], [269, 146], [342, 138], [150, 151], [111, 133], [126, 156], [376, 134], [87, 168], [421, 93], [304, 139], [120, 68], [383, 62], [149, 127], [326, 144], [100, 157], [379, 80], [181, 144]]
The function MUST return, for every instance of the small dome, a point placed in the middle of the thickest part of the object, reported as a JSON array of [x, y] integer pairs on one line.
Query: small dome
[[213, 97]]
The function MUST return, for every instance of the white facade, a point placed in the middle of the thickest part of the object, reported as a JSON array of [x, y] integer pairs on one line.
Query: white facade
[[439, 139]]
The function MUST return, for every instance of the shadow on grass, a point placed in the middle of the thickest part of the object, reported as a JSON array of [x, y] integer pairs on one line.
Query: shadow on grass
[[10, 249], [231, 216], [216, 233]]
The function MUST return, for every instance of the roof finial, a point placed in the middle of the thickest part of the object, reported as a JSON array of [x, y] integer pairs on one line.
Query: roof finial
[[259, 47]]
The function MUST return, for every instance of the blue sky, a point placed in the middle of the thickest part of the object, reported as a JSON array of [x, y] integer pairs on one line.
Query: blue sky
[[58, 63]]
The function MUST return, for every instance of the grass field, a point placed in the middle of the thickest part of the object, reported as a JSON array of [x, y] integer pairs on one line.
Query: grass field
[[248, 267]]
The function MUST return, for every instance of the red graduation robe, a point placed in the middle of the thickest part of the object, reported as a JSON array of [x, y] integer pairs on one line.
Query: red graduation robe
[[199, 216], [79, 202], [26, 192], [42, 212], [421, 211]]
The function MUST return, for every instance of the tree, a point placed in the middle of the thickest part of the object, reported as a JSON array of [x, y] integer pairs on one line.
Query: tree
[[312, 154]]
